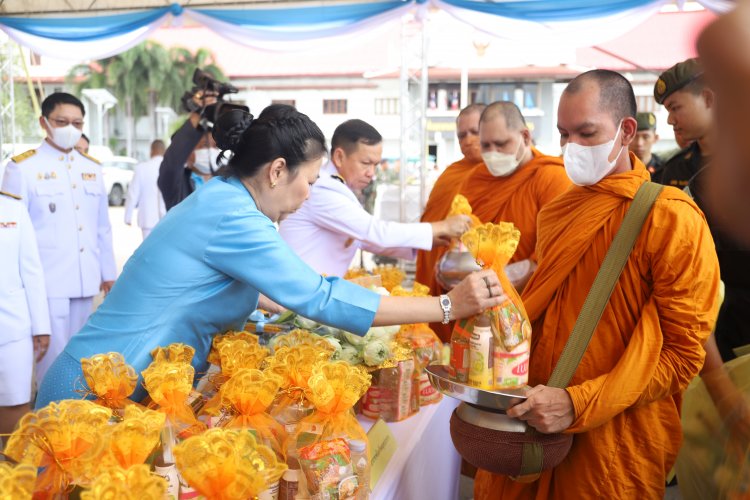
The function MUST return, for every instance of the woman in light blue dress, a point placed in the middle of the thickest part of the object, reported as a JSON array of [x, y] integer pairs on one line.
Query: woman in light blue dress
[[203, 267]]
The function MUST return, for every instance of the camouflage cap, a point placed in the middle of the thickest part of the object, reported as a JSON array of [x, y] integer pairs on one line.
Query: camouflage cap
[[675, 78], [646, 121]]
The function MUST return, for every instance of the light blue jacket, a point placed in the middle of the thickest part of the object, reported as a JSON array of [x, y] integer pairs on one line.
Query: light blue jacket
[[199, 273]]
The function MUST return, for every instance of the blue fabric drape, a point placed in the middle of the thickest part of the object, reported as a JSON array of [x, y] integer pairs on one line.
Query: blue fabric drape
[[86, 28], [550, 10]]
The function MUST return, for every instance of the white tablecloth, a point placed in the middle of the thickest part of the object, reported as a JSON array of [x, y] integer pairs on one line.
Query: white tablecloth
[[425, 464]]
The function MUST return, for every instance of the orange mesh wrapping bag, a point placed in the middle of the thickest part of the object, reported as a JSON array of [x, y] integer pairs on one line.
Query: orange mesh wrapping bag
[[298, 337], [235, 354], [131, 441], [176, 353], [294, 365], [110, 379], [64, 440], [460, 206], [134, 483], [247, 396], [227, 464], [169, 384], [16, 481], [214, 357], [390, 276], [493, 245]]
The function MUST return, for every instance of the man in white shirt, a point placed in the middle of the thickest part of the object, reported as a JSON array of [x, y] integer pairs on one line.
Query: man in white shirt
[[64, 193], [331, 225], [144, 193]]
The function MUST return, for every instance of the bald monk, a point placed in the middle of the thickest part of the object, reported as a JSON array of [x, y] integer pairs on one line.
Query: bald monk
[[516, 180], [441, 197], [623, 402]]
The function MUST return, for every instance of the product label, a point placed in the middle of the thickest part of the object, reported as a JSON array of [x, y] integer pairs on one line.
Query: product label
[[427, 393], [481, 363], [169, 473], [511, 368]]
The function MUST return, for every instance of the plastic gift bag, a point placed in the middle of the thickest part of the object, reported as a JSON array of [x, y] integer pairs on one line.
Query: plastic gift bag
[[110, 379], [64, 440], [390, 275], [131, 441], [246, 397], [169, 384], [321, 442], [508, 353], [227, 464], [460, 206], [134, 483], [176, 353]]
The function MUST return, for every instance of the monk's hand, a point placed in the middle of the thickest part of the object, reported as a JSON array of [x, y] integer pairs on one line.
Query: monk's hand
[[546, 409], [477, 292], [449, 228]]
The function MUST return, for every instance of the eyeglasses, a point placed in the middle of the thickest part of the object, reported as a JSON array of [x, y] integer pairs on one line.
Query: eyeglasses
[[59, 123]]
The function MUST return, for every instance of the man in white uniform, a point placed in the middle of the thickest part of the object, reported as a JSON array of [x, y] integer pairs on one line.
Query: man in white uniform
[[144, 193], [330, 226], [24, 319], [64, 193]]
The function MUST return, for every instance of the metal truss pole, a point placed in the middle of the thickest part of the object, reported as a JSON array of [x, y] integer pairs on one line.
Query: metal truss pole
[[7, 108]]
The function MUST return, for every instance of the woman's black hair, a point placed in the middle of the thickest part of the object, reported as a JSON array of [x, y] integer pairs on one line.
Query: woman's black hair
[[279, 132]]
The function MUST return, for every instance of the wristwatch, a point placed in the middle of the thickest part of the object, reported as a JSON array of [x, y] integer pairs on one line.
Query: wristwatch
[[445, 305]]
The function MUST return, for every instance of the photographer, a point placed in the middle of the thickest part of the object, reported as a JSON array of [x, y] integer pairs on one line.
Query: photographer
[[190, 159]]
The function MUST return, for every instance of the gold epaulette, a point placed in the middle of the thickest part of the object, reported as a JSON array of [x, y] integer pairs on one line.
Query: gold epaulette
[[86, 155], [14, 196], [23, 156]]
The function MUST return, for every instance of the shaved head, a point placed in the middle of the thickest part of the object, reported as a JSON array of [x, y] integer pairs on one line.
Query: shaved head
[[616, 95], [471, 108], [513, 118]]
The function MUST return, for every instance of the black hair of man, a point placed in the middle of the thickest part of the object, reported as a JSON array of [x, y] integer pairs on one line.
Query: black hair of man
[[53, 100], [514, 119], [476, 107], [349, 134], [86, 138], [615, 92]]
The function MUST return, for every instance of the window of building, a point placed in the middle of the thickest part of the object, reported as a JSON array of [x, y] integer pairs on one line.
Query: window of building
[[387, 106], [334, 106], [288, 102]]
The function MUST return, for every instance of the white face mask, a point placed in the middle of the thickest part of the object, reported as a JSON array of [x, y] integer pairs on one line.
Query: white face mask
[[205, 160], [502, 164], [587, 165], [64, 137]]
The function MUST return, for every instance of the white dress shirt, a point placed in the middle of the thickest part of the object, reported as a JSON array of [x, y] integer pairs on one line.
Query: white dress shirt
[[66, 199], [329, 227], [144, 194], [23, 300]]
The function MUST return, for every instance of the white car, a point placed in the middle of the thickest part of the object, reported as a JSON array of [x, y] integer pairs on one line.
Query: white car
[[118, 173]]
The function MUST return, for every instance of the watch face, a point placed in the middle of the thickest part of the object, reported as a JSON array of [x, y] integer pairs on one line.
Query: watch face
[[445, 301]]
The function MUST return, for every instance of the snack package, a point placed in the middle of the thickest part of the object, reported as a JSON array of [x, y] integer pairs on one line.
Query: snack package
[[394, 394], [169, 384], [246, 397], [64, 441], [426, 345], [493, 245], [227, 464], [134, 483], [110, 379], [320, 441]]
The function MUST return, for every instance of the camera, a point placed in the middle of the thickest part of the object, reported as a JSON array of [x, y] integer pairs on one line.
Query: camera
[[205, 82]]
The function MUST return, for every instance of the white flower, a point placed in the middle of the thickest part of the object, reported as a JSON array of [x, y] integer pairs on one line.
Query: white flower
[[305, 323], [335, 343], [353, 339], [375, 352], [350, 354]]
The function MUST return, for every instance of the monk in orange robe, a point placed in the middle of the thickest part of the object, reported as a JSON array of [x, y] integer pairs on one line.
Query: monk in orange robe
[[623, 402], [441, 197]]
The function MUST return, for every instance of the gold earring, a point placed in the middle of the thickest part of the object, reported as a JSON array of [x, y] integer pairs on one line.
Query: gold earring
[[273, 184]]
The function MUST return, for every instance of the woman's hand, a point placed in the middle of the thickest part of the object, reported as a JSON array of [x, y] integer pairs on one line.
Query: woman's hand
[[449, 228], [477, 292]]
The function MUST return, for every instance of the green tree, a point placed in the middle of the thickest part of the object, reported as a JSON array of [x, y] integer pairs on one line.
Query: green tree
[[144, 77], [26, 120]]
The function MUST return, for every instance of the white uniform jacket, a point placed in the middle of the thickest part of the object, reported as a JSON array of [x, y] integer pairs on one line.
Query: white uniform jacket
[[65, 196], [144, 194], [23, 300], [329, 227]]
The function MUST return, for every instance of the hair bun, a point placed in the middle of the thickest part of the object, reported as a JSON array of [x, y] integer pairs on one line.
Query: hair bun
[[230, 128]]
